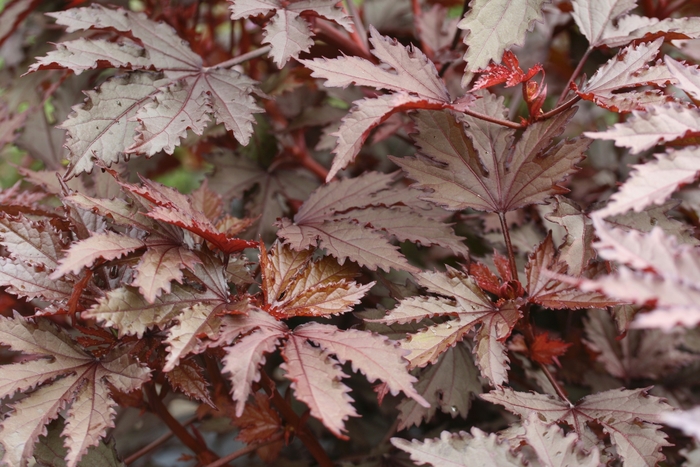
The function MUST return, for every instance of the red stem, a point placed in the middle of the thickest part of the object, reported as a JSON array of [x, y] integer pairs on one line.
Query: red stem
[[559, 109], [509, 246], [301, 153], [497, 121], [248, 449], [340, 40], [359, 34], [301, 430], [575, 74], [155, 444], [177, 429]]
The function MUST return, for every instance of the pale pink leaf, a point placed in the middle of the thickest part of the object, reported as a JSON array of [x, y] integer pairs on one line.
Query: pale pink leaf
[[628, 69], [242, 361], [688, 77], [344, 239], [287, 32], [419, 308], [687, 421], [492, 27], [636, 28], [81, 54], [413, 72], [185, 337], [231, 101], [593, 17], [549, 408], [33, 241], [289, 35], [244, 8], [627, 415], [159, 266], [460, 450], [164, 122], [655, 181], [102, 128], [366, 115], [651, 252], [317, 382], [161, 113], [83, 389], [166, 49], [644, 130], [462, 287], [666, 273], [375, 356], [426, 346], [343, 195], [554, 449], [106, 245], [85, 425], [25, 280], [490, 353], [415, 80], [119, 211], [130, 313]]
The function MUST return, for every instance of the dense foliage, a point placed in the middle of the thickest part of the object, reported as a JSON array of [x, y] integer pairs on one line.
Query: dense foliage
[[369, 233]]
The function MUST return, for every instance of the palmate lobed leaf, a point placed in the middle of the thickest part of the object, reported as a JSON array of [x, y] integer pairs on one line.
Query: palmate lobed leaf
[[288, 32], [415, 83], [629, 69], [83, 390], [164, 109], [628, 416], [479, 166], [313, 369], [657, 271], [339, 217], [471, 307]]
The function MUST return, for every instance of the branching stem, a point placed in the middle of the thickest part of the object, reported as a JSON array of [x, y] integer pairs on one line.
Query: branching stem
[[301, 430], [574, 75], [155, 444], [177, 429], [246, 450], [566, 105]]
